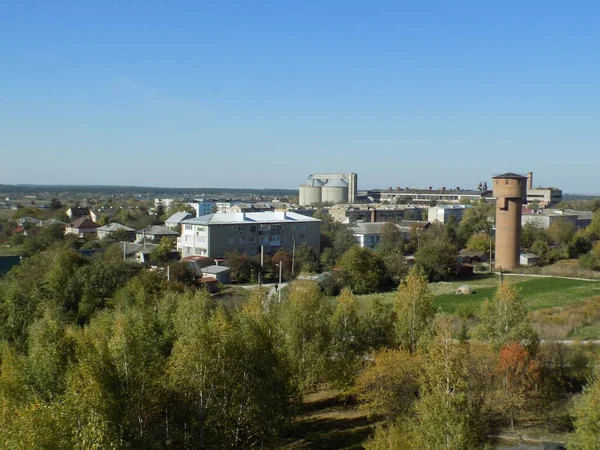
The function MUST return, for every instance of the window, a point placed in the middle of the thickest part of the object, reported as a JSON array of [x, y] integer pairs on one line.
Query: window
[[188, 227], [241, 228], [202, 240], [200, 229], [231, 241], [301, 226], [293, 226], [231, 229], [301, 236], [253, 229], [241, 240], [252, 240]]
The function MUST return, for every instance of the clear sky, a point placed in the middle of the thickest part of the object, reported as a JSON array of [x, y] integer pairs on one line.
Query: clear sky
[[261, 94]]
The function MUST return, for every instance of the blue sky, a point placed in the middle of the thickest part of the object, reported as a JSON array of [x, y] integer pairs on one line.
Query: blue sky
[[261, 94]]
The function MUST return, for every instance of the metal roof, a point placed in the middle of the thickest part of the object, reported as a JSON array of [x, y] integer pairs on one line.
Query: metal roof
[[250, 217]]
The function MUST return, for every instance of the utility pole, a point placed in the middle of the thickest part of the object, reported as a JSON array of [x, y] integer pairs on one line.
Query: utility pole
[[262, 258], [279, 286], [293, 255]]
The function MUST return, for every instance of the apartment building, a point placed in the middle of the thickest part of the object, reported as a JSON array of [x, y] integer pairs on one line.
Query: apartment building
[[213, 235]]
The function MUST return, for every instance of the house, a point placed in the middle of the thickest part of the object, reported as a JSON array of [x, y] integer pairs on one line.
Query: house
[[221, 273], [545, 218], [52, 223], [529, 259], [216, 234], [107, 231], [97, 214], [472, 256], [154, 233], [76, 212], [175, 220], [142, 253], [81, 227], [29, 221]]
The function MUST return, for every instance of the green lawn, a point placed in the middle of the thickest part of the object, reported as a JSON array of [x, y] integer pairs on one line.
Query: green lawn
[[539, 293], [13, 250]]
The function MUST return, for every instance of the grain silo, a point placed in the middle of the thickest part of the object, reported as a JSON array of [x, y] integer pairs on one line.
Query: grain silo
[[510, 189], [335, 191], [310, 193]]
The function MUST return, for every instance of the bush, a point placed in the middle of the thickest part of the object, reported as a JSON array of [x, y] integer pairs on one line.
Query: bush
[[589, 261]]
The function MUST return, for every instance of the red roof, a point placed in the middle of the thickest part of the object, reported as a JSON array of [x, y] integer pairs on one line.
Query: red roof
[[195, 258]]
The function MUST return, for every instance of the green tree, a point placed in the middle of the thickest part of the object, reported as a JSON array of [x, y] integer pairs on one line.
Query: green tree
[[561, 232], [437, 258], [366, 269], [478, 219], [345, 344], [448, 408], [377, 324], [480, 242], [161, 253], [389, 385], [305, 327], [414, 310], [593, 229], [504, 319], [587, 418], [392, 241], [532, 232], [307, 260]]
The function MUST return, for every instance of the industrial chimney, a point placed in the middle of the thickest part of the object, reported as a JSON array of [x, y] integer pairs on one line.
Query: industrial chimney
[[530, 181]]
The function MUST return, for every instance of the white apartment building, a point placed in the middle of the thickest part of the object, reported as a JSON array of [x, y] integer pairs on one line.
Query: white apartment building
[[441, 213], [214, 235]]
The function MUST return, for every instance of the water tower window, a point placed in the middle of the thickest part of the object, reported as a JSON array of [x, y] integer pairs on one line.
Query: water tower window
[[505, 181]]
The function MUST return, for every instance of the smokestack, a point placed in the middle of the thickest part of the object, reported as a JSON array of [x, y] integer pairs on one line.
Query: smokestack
[[530, 181]]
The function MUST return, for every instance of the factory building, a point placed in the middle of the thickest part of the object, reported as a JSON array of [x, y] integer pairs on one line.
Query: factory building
[[329, 189], [544, 196], [427, 196]]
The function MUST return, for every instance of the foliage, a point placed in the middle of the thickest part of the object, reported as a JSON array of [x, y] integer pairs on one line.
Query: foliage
[[366, 269], [161, 253], [532, 232], [413, 308], [389, 385], [345, 346], [589, 261], [477, 219], [377, 325], [480, 242], [504, 319], [587, 418], [561, 232], [519, 374], [306, 330], [242, 266], [437, 258], [307, 259]]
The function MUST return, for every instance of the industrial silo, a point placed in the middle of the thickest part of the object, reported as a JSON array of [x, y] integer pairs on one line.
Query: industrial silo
[[310, 194], [335, 191]]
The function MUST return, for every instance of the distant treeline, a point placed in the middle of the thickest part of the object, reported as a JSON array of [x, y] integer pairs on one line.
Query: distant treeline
[[112, 190]]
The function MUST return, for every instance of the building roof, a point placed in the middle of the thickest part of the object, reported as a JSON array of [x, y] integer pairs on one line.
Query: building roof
[[28, 219], [157, 230], [510, 175], [250, 217], [179, 216], [215, 269], [50, 222], [83, 222], [112, 227], [453, 206], [132, 248], [529, 255], [369, 227]]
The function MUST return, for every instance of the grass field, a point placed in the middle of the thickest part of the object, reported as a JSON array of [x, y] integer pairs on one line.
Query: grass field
[[539, 293], [13, 250]]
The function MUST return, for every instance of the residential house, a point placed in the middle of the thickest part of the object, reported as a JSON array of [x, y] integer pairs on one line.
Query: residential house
[[154, 233], [175, 220], [97, 214], [108, 231], [203, 206], [81, 227], [75, 212], [142, 253], [214, 235], [221, 273]]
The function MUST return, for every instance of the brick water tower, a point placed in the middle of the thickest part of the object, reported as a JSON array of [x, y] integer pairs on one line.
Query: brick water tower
[[510, 189]]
